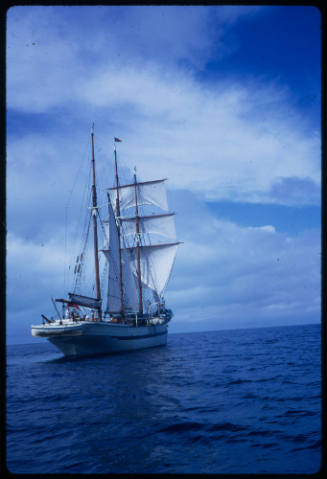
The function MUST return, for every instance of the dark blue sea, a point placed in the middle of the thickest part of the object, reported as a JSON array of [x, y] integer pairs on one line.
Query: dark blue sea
[[241, 401]]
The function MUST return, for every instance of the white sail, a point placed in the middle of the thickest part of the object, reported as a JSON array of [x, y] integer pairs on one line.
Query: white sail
[[156, 264], [162, 225], [106, 235], [148, 193], [130, 293], [130, 300], [112, 255], [156, 260]]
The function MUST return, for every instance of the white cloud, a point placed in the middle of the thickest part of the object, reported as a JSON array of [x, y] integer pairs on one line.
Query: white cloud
[[224, 274], [235, 142], [224, 271], [203, 140], [51, 51], [33, 270], [224, 141], [206, 141], [268, 228]]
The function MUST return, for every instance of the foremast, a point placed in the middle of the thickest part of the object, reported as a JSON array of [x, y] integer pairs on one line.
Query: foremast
[[74, 300], [95, 228]]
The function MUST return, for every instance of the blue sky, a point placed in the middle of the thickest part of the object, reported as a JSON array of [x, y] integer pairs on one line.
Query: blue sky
[[222, 100]]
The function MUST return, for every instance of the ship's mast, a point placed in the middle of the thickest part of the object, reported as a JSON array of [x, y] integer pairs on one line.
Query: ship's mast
[[137, 226], [118, 231], [95, 227]]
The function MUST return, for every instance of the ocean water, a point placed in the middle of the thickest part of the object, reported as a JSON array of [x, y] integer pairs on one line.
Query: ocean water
[[242, 401]]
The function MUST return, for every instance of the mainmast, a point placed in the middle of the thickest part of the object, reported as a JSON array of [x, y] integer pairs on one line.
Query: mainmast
[[95, 227], [118, 231], [137, 227]]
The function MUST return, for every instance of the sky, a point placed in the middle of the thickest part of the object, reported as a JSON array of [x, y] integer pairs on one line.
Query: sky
[[224, 101]]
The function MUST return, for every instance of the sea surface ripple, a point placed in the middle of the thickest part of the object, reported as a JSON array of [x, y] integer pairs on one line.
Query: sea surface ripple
[[241, 401]]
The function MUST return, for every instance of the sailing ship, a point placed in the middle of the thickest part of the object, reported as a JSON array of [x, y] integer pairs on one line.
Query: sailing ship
[[140, 251]]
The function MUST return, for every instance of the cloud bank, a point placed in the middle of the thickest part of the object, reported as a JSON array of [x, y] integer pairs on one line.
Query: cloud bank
[[143, 74], [252, 275]]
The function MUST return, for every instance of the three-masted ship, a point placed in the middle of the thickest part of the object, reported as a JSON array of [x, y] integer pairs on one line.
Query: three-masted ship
[[140, 251]]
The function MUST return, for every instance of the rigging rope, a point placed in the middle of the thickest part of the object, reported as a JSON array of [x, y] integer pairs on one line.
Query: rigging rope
[[82, 256], [71, 222]]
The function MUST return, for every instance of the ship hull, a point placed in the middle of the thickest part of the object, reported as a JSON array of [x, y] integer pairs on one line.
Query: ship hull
[[94, 338]]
